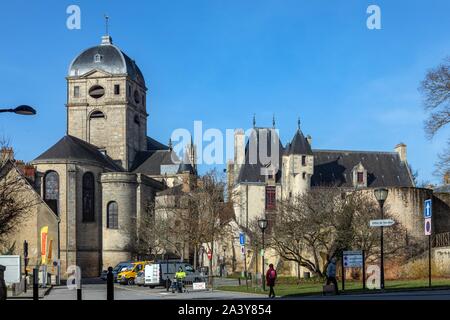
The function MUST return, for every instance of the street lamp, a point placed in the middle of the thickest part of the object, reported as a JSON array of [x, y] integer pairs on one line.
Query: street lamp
[[202, 252], [381, 195], [262, 223], [22, 110]]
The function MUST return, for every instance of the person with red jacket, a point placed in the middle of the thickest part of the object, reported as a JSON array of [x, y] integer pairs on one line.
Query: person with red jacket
[[271, 276]]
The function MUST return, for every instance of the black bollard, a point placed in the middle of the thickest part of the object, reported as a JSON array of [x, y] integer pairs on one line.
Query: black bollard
[[35, 284], [110, 285], [79, 294]]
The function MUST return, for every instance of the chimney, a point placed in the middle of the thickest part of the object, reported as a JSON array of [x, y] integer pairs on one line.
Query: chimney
[[239, 151], [401, 150], [6, 153], [447, 178], [309, 139]]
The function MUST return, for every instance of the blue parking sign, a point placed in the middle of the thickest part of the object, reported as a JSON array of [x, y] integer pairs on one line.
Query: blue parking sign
[[242, 239], [427, 210]]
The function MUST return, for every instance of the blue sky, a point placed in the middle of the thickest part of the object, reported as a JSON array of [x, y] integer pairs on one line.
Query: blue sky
[[221, 61]]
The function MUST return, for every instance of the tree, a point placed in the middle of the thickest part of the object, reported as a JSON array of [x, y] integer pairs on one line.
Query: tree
[[198, 215], [319, 224], [16, 200], [435, 89]]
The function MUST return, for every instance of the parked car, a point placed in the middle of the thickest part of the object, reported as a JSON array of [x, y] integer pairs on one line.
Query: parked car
[[140, 278], [129, 273], [115, 271], [163, 272]]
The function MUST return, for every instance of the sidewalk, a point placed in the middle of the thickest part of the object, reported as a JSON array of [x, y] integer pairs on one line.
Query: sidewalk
[[29, 294]]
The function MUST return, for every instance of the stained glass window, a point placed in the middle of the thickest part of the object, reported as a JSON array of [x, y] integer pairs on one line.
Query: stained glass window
[[51, 190], [112, 215], [88, 197]]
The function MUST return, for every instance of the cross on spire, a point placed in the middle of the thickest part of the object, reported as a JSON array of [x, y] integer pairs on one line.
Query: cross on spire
[[273, 120], [107, 24], [298, 123], [254, 120]]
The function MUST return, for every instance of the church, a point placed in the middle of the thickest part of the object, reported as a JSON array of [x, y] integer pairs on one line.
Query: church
[[101, 176]]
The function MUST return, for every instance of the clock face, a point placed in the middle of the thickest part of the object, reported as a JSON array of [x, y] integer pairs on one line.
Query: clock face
[[137, 98], [96, 91]]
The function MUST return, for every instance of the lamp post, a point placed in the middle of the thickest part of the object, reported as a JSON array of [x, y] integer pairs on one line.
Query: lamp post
[[381, 195], [223, 259], [22, 110], [262, 223], [202, 252]]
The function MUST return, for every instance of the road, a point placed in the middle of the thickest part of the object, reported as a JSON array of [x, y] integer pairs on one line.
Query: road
[[97, 291], [407, 295]]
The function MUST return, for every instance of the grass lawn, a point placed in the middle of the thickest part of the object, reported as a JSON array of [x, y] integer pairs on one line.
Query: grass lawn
[[351, 286]]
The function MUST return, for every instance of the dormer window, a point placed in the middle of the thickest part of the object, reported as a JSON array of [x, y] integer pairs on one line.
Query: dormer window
[[98, 58], [360, 177]]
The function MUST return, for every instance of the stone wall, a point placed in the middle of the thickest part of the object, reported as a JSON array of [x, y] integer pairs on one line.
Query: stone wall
[[121, 188]]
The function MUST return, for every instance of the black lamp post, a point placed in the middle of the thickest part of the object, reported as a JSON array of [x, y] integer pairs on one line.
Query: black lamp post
[[22, 110], [381, 195], [262, 223], [202, 252]]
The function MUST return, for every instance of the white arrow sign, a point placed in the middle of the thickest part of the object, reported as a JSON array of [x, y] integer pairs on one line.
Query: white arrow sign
[[381, 223]]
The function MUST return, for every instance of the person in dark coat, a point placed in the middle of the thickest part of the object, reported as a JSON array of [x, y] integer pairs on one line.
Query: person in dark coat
[[331, 274], [271, 276]]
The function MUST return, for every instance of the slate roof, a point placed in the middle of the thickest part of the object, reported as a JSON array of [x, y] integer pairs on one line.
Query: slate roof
[[113, 61], [443, 189], [384, 169], [298, 145], [334, 167], [72, 148], [153, 145], [177, 190], [251, 170], [151, 161]]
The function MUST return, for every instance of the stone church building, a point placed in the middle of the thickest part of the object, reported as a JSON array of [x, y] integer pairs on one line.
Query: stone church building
[[100, 177]]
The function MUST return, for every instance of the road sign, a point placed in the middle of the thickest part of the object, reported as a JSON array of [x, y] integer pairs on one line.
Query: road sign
[[209, 254], [241, 239], [243, 250], [381, 223], [428, 226], [353, 259], [428, 209]]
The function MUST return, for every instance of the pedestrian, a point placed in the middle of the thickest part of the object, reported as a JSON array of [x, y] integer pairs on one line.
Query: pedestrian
[[271, 276], [331, 275], [179, 277]]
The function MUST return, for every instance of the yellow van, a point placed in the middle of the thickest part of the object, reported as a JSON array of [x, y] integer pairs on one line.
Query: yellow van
[[129, 272]]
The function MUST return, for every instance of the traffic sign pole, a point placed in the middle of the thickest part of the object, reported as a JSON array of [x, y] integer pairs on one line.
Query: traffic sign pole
[[429, 261], [364, 269]]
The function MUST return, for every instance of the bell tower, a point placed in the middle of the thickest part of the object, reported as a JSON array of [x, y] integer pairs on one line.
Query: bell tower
[[106, 102]]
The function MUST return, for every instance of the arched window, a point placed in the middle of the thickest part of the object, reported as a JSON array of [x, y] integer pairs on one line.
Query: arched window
[[112, 221], [88, 197], [51, 190], [97, 114]]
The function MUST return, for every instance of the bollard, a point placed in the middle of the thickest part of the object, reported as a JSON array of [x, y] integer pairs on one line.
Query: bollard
[[79, 294], [35, 284], [3, 290], [110, 285]]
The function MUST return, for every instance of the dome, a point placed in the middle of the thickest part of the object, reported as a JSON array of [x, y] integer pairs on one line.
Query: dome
[[108, 58]]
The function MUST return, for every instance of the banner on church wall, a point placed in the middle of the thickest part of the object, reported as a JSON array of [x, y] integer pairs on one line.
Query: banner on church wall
[[44, 234]]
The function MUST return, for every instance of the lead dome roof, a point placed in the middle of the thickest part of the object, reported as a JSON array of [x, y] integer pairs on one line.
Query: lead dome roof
[[111, 60]]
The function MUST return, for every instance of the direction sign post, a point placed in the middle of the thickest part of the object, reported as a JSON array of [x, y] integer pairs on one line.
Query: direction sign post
[[427, 214], [353, 259], [381, 223]]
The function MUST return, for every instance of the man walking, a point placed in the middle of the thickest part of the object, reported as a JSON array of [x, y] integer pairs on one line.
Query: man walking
[[331, 275], [271, 276]]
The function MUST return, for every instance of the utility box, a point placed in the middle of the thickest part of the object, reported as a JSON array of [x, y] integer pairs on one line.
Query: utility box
[[13, 269]]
